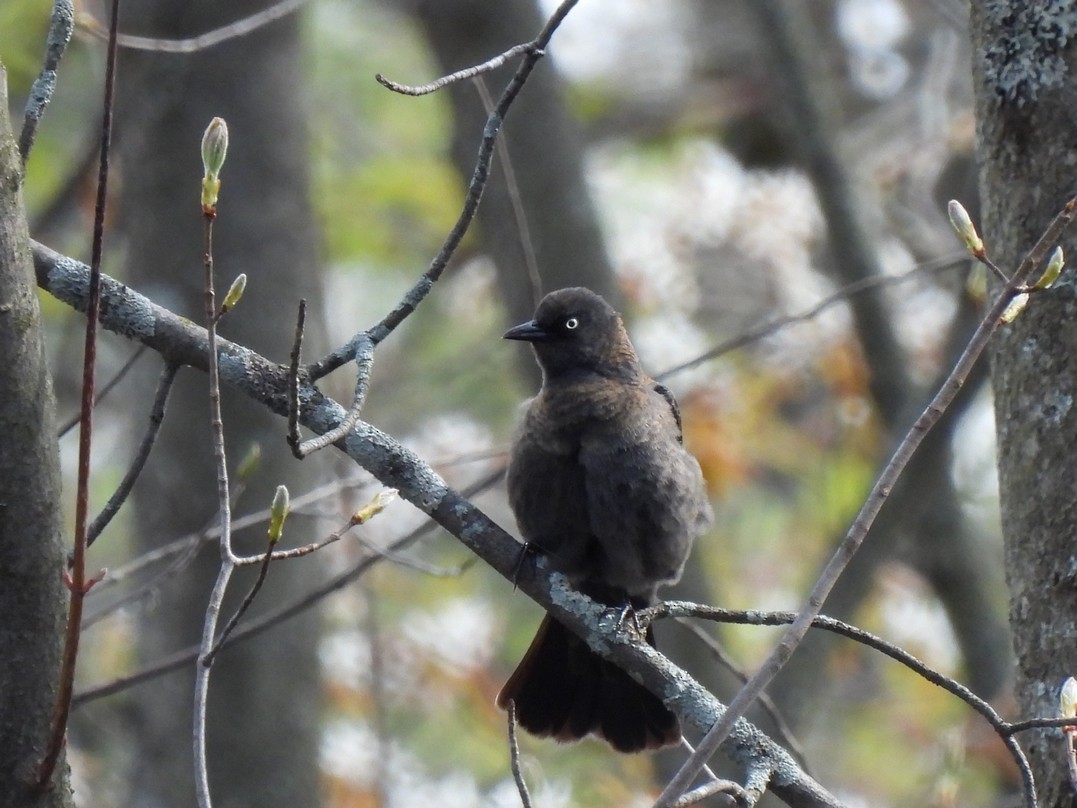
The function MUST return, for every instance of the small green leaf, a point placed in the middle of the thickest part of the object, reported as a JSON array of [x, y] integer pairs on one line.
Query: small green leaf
[[376, 505]]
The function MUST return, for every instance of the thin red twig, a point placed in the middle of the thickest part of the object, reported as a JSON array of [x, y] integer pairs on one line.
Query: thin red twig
[[77, 582]]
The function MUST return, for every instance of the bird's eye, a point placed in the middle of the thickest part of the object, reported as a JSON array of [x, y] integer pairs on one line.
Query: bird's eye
[[572, 323]]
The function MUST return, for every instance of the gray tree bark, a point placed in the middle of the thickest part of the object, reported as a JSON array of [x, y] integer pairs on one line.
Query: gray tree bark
[[264, 700], [32, 595], [1024, 62]]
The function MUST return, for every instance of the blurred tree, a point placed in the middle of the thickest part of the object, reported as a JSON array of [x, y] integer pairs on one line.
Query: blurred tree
[[32, 594], [264, 716]]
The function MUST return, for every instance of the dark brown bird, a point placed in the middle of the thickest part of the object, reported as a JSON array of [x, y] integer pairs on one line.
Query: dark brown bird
[[599, 481]]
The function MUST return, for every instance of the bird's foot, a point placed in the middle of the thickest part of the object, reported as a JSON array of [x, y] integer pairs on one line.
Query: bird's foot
[[527, 550], [628, 610]]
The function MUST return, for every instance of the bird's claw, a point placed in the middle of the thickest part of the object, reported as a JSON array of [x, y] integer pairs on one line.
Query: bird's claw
[[628, 610], [527, 550]]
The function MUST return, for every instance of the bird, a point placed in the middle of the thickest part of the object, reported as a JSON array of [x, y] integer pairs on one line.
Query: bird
[[600, 483]]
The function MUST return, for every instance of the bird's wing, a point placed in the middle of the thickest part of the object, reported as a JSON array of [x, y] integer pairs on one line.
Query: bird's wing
[[644, 492]]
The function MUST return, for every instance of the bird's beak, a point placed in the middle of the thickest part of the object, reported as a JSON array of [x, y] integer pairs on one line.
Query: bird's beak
[[528, 332]]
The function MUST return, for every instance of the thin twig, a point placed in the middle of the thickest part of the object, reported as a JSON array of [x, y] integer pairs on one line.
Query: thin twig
[[297, 552], [866, 517], [460, 75], [782, 730], [735, 791], [239, 28], [77, 582], [519, 215], [476, 186], [179, 553], [364, 361], [105, 389], [840, 296], [1014, 727], [224, 504], [514, 759], [707, 771], [178, 562], [207, 660], [157, 417], [1004, 729], [432, 570], [479, 178], [293, 380], [61, 24]]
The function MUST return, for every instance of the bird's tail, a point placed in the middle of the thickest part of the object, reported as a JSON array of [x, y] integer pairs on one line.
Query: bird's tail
[[564, 690]]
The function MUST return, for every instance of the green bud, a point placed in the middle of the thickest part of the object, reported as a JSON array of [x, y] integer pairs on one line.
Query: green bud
[[235, 292], [976, 283], [250, 462], [376, 505], [1067, 698], [1053, 270], [962, 222], [1015, 307], [278, 512], [215, 147], [214, 150]]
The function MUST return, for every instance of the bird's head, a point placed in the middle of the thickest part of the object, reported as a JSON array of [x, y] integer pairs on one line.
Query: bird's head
[[575, 331]]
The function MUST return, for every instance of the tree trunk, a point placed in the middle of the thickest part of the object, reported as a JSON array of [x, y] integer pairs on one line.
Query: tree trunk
[[32, 594], [264, 697], [1023, 65]]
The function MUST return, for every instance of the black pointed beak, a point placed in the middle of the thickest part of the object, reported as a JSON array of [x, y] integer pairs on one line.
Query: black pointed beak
[[527, 332]]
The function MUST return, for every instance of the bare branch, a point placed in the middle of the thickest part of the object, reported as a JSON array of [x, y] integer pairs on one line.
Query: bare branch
[[220, 456], [106, 388], [733, 790], [514, 759], [783, 730], [460, 75], [364, 360], [233, 30], [842, 295], [157, 417], [476, 186], [1002, 728], [207, 660], [527, 244]]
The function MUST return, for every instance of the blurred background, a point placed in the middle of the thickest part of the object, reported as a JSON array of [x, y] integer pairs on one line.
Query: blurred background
[[758, 185]]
